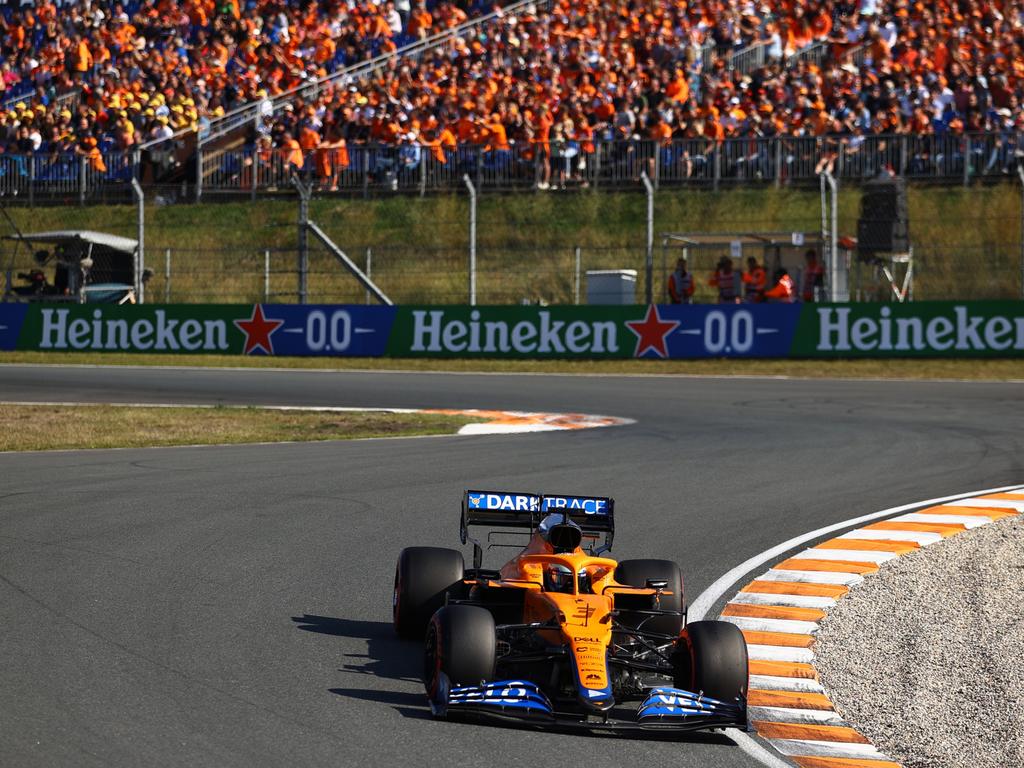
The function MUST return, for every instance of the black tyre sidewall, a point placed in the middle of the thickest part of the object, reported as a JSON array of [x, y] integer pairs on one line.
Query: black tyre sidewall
[[711, 657], [461, 642], [423, 576]]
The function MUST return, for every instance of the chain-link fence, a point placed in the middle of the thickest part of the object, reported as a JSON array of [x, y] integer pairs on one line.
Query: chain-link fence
[[967, 244]]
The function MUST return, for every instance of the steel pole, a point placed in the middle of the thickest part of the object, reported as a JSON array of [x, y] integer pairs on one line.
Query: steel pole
[[472, 238], [834, 242], [649, 286], [1020, 173], [303, 260], [576, 282], [140, 249]]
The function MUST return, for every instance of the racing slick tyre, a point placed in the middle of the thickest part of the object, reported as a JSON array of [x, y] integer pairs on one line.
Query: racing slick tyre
[[636, 573], [711, 657], [422, 578], [460, 642]]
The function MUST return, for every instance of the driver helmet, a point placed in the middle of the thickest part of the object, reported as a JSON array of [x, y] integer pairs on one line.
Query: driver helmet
[[558, 578]]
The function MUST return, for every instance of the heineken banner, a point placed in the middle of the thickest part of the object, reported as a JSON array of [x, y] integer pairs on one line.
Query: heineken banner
[[939, 329]]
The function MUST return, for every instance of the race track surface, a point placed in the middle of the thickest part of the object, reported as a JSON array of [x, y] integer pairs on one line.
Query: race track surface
[[231, 605]]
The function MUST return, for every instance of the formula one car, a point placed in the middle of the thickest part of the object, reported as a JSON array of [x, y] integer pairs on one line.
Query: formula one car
[[561, 636]]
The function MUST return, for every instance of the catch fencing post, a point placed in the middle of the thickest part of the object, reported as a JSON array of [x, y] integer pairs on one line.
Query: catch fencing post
[[778, 161], [576, 283], [303, 264], [649, 286], [140, 249], [472, 238], [199, 171], [967, 161], [1020, 173], [266, 275], [254, 182], [81, 180], [369, 271], [167, 276], [31, 181], [833, 237]]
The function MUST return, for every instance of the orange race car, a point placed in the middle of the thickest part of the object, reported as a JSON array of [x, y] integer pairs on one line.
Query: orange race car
[[561, 635]]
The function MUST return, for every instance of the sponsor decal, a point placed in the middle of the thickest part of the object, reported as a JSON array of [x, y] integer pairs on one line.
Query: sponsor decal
[[512, 502], [258, 330], [652, 333], [506, 331], [96, 329], [590, 506], [940, 329], [916, 329]]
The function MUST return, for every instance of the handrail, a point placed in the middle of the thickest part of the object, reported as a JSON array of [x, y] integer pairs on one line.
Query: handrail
[[241, 115]]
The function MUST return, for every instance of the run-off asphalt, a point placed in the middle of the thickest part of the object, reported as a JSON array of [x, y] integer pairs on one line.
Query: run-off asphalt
[[925, 656], [231, 606]]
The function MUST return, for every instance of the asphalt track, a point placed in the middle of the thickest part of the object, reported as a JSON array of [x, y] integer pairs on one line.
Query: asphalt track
[[231, 605]]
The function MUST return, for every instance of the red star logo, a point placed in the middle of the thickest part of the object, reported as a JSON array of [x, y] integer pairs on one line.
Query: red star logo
[[258, 330], [651, 332]]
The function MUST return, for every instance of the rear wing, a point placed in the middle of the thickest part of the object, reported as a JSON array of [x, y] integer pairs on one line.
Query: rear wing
[[503, 509]]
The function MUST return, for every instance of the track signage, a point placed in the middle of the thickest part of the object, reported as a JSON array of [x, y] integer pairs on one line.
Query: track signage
[[936, 329]]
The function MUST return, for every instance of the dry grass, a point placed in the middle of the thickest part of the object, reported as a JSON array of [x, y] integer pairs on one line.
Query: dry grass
[[48, 427], [979, 369]]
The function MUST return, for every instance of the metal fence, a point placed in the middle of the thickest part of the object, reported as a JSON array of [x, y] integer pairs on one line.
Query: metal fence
[[368, 169], [373, 170]]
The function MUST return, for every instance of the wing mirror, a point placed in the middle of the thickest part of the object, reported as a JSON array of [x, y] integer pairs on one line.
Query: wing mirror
[[657, 584]]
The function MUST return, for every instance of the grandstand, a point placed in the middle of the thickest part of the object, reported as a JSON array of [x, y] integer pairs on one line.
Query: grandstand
[[237, 96]]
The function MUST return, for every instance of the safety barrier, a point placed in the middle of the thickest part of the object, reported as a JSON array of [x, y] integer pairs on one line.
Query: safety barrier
[[924, 329], [413, 168]]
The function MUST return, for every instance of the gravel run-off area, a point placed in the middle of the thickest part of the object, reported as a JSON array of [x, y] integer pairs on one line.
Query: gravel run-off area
[[926, 658]]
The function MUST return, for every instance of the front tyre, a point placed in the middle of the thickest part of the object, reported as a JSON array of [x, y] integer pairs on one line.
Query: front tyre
[[423, 577], [461, 643], [711, 658]]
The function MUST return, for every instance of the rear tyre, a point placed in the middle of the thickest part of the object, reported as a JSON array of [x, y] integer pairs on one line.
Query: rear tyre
[[422, 578], [460, 642], [711, 657], [636, 573]]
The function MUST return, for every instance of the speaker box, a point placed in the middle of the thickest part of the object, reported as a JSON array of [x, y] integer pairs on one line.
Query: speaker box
[[883, 226]]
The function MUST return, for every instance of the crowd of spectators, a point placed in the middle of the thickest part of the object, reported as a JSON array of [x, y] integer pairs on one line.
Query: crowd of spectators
[[587, 70], [569, 73], [110, 75]]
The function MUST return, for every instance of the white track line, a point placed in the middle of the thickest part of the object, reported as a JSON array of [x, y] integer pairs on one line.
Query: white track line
[[815, 748], [776, 683], [1017, 506], [791, 601], [794, 715], [710, 596], [574, 374], [967, 521], [845, 555], [811, 577], [921, 538], [789, 626], [779, 653]]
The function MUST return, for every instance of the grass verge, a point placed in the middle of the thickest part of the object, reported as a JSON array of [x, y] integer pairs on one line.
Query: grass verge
[[980, 370], [966, 242], [50, 427]]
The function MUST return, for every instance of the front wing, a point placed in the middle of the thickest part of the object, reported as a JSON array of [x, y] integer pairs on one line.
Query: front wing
[[663, 709]]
